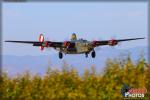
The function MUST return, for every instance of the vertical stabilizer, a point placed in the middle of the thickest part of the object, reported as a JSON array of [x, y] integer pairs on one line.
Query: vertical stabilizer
[[73, 36]]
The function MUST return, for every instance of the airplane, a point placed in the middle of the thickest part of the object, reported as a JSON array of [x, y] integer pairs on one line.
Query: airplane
[[74, 46]]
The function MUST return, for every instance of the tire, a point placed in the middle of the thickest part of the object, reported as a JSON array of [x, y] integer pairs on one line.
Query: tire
[[60, 55], [93, 54]]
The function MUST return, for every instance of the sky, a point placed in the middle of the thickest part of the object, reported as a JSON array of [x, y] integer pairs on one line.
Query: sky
[[58, 20]]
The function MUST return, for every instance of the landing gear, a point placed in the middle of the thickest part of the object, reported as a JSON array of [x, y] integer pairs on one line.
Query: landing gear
[[86, 54], [93, 54], [60, 55]]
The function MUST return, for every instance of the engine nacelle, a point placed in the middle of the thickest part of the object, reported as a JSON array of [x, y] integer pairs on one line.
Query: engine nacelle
[[45, 44], [66, 44], [94, 43], [112, 42]]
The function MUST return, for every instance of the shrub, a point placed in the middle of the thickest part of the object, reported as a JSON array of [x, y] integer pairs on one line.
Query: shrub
[[67, 84]]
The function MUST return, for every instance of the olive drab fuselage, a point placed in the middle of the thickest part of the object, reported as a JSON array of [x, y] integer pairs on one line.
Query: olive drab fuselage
[[78, 47]]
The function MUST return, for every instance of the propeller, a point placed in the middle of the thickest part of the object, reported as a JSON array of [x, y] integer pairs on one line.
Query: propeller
[[66, 44], [41, 39], [117, 44], [44, 43], [112, 42]]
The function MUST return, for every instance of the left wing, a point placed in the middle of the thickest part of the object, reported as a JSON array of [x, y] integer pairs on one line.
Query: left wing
[[41, 43], [112, 42], [36, 43]]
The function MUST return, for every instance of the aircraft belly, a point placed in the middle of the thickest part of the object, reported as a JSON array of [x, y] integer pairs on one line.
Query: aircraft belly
[[74, 50], [67, 51], [83, 49], [79, 48]]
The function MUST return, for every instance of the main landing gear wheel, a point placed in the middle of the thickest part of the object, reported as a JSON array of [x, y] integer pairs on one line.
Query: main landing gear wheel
[[93, 54], [60, 55], [86, 55]]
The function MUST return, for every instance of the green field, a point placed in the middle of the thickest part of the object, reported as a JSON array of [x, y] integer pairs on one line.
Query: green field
[[67, 84]]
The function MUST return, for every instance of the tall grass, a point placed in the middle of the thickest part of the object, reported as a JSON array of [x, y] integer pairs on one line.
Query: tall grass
[[67, 84]]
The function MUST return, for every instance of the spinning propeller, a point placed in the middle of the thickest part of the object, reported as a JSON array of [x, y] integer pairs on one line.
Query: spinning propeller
[[43, 43]]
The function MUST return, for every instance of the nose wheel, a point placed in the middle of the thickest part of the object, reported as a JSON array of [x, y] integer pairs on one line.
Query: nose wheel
[[93, 54], [60, 55]]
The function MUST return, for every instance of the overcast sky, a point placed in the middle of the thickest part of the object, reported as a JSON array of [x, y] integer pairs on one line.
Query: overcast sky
[[57, 21]]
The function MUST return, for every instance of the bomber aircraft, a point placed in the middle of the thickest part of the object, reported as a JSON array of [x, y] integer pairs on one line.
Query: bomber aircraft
[[74, 46]]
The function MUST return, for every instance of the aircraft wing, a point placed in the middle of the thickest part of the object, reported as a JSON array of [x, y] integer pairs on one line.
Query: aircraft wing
[[37, 43], [112, 42]]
